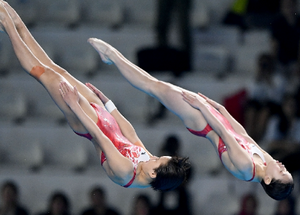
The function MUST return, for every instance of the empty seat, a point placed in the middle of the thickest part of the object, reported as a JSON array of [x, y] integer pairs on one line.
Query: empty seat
[[258, 38], [45, 109], [7, 54], [140, 14], [28, 98], [27, 10], [43, 146], [102, 13], [63, 148], [13, 102], [201, 152], [200, 14], [226, 206], [58, 12], [213, 195], [20, 148], [227, 36], [211, 58], [78, 57]]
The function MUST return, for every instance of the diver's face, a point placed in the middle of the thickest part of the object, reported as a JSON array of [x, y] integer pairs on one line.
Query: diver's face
[[277, 170], [154, 162]]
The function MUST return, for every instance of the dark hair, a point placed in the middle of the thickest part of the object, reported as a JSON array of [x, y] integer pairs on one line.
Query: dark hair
[[277, 189], [266, 62], [291, 210], [284, 121], [59, 195], [171, 175], [12, 185], [249, 197], [98, 190], [144, 198]]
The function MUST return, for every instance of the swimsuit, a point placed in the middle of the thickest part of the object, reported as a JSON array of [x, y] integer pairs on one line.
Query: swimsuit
[[249, 147], [108, 125]]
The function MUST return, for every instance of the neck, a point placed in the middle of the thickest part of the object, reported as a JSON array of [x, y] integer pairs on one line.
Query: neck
[[260, 171], [142, 177]]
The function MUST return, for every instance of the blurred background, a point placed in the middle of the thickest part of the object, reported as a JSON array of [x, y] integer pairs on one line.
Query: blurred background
[[241, 53]]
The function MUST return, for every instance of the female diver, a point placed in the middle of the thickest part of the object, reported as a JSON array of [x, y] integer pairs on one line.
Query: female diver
[[203, 117], [123, 156]]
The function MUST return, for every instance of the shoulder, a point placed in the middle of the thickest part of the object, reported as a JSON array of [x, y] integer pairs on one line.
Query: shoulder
[[120, 174], [249, 171]]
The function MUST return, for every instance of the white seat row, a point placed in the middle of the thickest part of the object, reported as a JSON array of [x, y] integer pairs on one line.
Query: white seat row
[[45, 147], [14, 104], [71, 51], [68, 12], [111, 13], [216, 50]]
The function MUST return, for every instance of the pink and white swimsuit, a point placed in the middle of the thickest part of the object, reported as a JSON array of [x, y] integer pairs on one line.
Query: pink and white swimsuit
[[108, 125], [249, 147]]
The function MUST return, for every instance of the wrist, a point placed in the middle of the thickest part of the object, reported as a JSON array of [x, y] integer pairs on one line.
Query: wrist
[[110, 106], [105, 101]]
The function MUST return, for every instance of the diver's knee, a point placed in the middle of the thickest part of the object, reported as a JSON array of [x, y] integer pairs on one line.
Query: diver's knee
[[37, 71]]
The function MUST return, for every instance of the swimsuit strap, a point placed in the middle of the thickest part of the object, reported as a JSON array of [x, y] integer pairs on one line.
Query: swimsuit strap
[[202, 133], [131, 181], [87, 135]]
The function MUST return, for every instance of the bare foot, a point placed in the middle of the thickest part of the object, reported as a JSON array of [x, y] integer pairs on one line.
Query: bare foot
[[13, 14], [102, 48]]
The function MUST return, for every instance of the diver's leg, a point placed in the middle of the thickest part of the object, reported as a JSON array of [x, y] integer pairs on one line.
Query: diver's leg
[[168, 94], [45, 75], [42, 56]]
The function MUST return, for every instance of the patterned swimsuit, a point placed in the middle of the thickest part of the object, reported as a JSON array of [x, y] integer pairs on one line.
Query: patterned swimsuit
[[108, 125], [249, 147]]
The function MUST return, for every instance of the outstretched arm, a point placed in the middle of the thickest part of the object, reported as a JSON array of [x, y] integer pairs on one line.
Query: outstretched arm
[[238, 156], [118, 164], [126, 127], [235, 124]]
